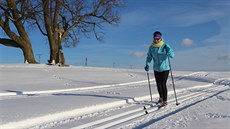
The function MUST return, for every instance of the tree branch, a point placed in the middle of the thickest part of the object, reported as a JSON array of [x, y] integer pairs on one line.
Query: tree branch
[[9, 42]]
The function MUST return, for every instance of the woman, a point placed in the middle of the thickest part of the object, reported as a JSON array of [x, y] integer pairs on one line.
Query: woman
[[159, 52]]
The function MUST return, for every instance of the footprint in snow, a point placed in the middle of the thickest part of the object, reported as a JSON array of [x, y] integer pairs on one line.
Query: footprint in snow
[[67, 84], [57, 77], [132, 76]]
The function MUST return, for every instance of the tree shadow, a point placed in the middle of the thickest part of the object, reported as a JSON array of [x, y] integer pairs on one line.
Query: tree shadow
[[20, 93], [81, 82], [176, 111], [128, 100], [17, 92]]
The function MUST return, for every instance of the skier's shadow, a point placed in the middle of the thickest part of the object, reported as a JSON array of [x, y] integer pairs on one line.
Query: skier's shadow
[[174, 112]]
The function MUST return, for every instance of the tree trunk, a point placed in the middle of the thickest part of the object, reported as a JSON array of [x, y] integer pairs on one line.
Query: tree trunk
[[28, 53], [56, 54], [51, 25], [53, 51]]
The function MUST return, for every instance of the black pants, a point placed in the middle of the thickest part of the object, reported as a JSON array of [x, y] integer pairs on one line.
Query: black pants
[[161, 79]]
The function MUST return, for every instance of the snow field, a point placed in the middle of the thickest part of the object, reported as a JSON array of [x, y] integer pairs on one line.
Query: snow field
[[112, 99], [135, 110], [140, 112]]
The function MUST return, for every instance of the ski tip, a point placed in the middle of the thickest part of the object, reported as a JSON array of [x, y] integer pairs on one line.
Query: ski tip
[[146, 112]]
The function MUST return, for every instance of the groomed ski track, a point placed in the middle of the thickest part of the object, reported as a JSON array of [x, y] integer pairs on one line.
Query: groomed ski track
[[120, 113]]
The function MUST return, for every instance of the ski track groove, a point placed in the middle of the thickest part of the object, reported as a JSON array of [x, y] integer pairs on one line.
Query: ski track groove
[[81, 89], [187, 102], [105, 122], [140, 83], [140, 111], [117, 122]]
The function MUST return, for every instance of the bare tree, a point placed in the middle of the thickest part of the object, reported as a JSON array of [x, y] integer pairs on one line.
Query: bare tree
[[66, 21], [14, 12], [63, 22]]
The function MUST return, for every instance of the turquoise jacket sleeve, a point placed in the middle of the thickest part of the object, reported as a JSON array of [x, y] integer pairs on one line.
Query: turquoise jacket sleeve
[[149, 57], [170, 51]]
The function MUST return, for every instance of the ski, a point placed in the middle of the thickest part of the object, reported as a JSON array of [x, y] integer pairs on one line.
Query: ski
[[145, 110], [148, 108]]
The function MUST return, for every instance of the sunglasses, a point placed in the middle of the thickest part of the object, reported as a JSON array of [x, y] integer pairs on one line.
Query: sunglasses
[[157, 38]]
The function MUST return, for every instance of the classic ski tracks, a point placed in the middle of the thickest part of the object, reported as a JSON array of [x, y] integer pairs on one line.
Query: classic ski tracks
[[128, 113], [16, 94], [134, 110], [117, 120]]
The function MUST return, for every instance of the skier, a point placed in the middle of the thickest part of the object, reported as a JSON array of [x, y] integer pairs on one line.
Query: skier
[[159, 52]]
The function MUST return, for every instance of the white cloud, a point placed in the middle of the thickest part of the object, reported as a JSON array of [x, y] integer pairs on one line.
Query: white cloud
[[138, 54], [187, 42]]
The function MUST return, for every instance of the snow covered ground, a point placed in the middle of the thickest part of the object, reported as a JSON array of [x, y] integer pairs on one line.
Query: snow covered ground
[[41, 96]]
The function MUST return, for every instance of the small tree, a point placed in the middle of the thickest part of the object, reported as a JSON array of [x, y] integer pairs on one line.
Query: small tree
[[14, 13]]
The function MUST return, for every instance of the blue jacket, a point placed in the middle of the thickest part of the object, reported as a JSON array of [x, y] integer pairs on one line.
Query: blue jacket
[[160, 57]]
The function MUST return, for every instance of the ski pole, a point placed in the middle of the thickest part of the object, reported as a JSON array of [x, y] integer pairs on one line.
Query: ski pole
[[173, 81], [150, 92]]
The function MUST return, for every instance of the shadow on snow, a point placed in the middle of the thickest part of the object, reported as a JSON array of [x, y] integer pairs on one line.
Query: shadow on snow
[[174, 112], [127, 99]]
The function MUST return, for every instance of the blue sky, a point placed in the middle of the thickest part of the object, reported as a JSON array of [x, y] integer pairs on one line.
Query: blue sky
[[198, 31]]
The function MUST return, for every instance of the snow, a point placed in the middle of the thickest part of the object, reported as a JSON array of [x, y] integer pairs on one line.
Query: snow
[[41, 96]]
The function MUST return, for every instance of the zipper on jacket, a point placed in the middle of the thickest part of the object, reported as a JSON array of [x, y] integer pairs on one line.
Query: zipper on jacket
[[158, 59]]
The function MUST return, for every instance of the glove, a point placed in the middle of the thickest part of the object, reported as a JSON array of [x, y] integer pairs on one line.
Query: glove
[[146, 68]]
